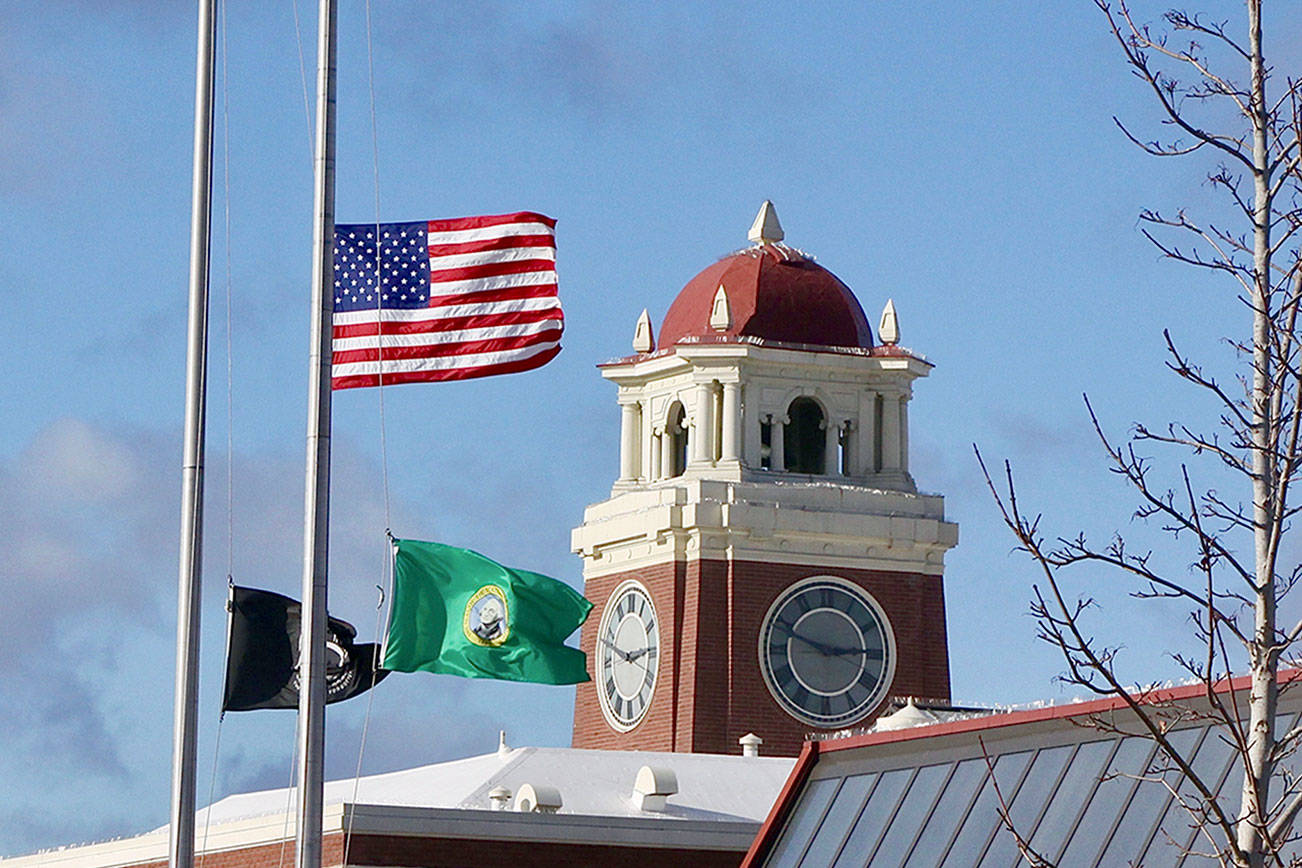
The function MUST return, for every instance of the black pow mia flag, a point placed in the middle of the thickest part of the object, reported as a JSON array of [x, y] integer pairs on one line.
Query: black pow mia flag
[[262, 654]]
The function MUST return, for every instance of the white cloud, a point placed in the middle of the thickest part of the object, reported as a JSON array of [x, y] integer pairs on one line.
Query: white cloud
[[73, 462], [88, 570]]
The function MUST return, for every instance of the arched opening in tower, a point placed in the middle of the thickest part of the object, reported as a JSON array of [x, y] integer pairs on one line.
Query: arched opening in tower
[[803, 442]]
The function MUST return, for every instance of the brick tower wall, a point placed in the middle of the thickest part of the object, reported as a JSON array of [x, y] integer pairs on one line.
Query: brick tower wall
[[709, 691], [656, 731], [914, 604]]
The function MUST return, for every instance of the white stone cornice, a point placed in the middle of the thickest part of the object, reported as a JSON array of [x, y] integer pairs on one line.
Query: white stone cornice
[[684, 356], [824, 523]]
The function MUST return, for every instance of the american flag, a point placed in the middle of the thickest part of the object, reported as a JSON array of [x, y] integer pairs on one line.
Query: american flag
[[453, 299]]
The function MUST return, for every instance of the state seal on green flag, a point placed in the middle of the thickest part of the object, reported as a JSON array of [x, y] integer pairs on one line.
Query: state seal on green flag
[[456, 612], [487, 622]]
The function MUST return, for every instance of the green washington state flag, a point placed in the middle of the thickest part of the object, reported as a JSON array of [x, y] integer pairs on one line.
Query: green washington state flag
[[456, 612]]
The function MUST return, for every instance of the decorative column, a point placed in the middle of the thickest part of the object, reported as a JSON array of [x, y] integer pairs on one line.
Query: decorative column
[[832, 449], [777, 446], [703, 425], [630, 413], [656, 457], [729, 449]]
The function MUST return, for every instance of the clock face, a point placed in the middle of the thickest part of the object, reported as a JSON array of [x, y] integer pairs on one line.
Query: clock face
[[628, 655], [826, 651]]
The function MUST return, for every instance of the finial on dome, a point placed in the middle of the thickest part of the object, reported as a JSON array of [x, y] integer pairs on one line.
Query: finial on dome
[[721, 311], [643, 340], [766, 229], [889, 328]]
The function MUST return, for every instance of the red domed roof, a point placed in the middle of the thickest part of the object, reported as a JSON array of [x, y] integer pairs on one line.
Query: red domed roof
[[774, 293]]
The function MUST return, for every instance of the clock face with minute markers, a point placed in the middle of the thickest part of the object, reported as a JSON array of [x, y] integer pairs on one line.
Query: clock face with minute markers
[[827, 651], [628, 655]]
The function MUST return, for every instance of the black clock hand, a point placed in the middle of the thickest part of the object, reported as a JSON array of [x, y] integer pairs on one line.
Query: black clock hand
[[860, 652], [635, 657], [825, 650], [621, 652]]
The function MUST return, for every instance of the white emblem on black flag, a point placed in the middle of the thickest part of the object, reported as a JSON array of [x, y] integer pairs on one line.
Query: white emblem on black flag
[[263, 654]]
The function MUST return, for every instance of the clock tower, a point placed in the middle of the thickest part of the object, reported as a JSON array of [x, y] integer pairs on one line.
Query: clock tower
[[765, 562]]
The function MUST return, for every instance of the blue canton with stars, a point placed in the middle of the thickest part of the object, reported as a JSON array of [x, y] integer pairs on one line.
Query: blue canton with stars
[[404, 261]]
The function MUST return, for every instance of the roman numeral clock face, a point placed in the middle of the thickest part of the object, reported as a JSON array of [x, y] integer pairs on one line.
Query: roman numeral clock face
[[628, 654], [826, 651]]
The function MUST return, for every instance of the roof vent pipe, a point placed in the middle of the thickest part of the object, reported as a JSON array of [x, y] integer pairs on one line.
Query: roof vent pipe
[[499, 798], [750, 744], [652, 788], [540, 799], [908, 716]]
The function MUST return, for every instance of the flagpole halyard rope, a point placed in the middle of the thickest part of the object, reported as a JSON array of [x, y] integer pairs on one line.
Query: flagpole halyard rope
[[290, 790], [230, 402], [302, 75], [379, 278], [289, 806], [366, 723], [384, 450], [226, 215], [224, 55], [212, 788]]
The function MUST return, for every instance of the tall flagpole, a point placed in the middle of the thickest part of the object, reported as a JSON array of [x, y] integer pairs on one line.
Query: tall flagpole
[[186, 703], [316, 513]]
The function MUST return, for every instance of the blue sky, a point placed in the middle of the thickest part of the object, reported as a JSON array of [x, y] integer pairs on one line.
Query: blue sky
[[961, 160]]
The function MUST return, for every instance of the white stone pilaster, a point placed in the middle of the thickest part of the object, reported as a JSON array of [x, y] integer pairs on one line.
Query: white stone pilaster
[[891, 432], [904, 433], [667, 453], [646, 445], [852, 448], [752, 445], [656, 458], [832, 449], [865, 435]]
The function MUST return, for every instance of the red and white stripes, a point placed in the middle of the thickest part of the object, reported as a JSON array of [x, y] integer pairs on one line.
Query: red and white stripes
[[493, 309]]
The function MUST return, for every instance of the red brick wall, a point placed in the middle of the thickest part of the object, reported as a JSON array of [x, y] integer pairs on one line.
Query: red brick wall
[[265, 855], [446, 853], [423, 852], [709, 690], [667, 585], [914, 604]]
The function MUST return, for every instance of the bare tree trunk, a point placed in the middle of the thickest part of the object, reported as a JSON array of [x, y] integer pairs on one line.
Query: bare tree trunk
[[1234, 601], [1263, 659]]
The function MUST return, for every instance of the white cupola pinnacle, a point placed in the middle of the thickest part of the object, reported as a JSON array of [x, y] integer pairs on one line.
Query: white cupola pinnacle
[[889, 328], [643, 340], [721, 311], [766, 229]]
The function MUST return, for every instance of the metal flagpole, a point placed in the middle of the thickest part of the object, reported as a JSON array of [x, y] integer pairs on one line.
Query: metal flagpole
[[316, 513], [186, 703]]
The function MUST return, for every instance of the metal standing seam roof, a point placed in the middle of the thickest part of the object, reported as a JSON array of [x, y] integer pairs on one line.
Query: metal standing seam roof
[[927, 796]]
